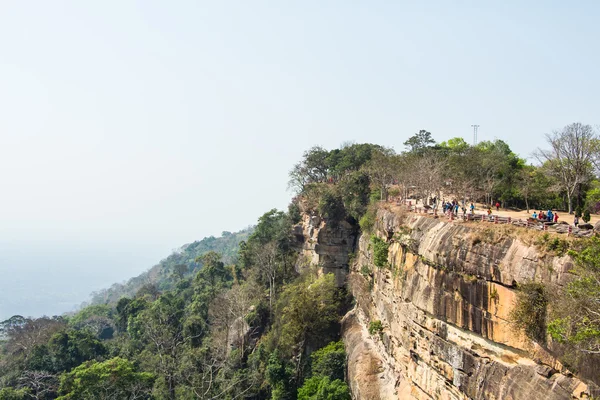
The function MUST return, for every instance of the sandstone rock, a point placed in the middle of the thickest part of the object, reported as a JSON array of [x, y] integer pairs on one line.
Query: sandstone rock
[[545, 371], [586, 226], [446, 302], [326, 245]]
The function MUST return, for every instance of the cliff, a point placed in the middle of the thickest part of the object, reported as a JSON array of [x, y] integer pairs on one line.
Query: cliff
[[444, 302]]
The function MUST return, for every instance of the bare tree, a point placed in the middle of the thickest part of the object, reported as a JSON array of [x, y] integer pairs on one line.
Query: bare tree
[[430, 174], [41, 383], [382, 170], [571, 156]]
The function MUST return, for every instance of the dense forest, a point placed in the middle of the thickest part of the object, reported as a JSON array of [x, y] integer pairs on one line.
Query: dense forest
[[259, 322]]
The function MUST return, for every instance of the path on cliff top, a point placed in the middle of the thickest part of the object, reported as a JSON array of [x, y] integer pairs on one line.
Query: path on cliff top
[[482, 209]]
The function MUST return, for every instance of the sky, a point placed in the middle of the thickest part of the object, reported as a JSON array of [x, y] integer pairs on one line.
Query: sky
[[130, 128]]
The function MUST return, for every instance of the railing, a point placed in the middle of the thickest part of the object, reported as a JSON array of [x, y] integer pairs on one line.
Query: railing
[[499, 220]]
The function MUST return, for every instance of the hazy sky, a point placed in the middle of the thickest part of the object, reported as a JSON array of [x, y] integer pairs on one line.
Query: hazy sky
[[129, 128]]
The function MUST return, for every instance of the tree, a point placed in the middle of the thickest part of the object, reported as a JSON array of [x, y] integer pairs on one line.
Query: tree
[[429, 174], [330, 361], [323, 388], [307, 315], [161, 328], [526, 183], [419, 141], [266, 258], [213, 268], [40, 385], [112, 379], [13, 394], [570, 157], [25, 335], [381, 170], [576, 313], [179, 270]]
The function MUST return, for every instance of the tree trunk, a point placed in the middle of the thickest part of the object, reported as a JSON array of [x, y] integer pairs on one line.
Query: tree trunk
[[569, 202]]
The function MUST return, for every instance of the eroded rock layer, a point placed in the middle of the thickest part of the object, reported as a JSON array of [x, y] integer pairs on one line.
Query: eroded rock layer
[[444, 302]]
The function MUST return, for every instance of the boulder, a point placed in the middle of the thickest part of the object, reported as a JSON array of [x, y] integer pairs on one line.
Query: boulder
[[597, 226], [586, 226]]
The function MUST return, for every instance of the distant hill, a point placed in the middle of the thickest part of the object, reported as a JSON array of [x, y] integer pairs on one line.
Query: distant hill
[[160, 275]]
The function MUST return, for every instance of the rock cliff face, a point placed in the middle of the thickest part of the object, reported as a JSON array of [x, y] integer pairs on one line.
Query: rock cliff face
[[325, 245], [444, 304]]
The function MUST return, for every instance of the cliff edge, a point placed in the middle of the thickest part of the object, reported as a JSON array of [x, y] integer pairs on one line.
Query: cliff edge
[[434, 322]]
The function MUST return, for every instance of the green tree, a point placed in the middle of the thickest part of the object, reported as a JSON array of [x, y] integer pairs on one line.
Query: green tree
[[576, 313], [419, 141], [13, 394], [330, 361], [380, 251], [112, 379], [323, 388], [308, 313]]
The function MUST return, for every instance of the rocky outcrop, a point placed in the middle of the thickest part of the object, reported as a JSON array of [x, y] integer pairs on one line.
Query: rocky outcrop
[[325, 245], [444, 302]]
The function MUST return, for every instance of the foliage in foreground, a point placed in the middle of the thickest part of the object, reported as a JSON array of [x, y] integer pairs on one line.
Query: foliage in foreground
[[576, 316], [240, 330]]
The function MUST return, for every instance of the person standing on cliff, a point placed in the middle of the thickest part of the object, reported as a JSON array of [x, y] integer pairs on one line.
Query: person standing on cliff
[[497, 206], [555, 217], [534, 216], [472, 208], [576, 220]]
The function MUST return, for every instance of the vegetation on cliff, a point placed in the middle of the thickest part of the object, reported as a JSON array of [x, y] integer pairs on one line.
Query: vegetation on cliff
[[340, 183], [228, 330], [575, 315]]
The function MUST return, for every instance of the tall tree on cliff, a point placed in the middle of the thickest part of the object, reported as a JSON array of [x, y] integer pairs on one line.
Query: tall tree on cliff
[[570, 157], [381, 170], [419, 141]]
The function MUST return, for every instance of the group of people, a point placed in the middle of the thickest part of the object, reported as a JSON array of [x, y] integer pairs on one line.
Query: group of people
[[546, 216], [453, 207]]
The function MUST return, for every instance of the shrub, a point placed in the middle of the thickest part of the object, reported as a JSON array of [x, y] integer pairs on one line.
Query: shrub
[[367, 221], [9, 393], [494, 295], [322, 387], [529, 312], [330, 361], [380, 251], [586, 216], [331, 206], [558, 246], [579, 330], [394, 192], [365, 270], [294, 213], [351, 257], [375, 327]]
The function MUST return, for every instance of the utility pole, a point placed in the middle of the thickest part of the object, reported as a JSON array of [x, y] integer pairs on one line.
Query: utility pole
[[475, 127]]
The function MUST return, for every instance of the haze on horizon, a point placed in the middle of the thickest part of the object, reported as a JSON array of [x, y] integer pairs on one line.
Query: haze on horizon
[[130, 128]]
